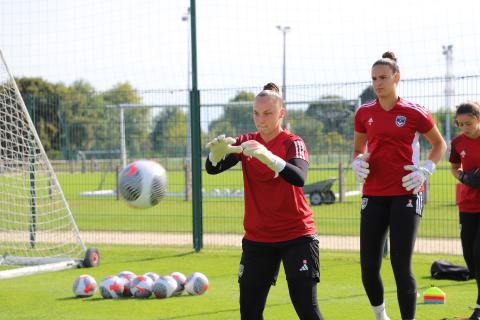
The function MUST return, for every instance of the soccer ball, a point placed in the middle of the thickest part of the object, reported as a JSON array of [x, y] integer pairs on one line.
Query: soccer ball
[[143, 183], [84, 286], [141, 287], [126, 278], [164, 287], [152, 275], [180, 278], [111, 287], [196, 284]]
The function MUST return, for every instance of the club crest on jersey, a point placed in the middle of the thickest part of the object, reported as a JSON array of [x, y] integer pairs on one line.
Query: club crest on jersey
[[364, 203], [400, 121], [463, 154]]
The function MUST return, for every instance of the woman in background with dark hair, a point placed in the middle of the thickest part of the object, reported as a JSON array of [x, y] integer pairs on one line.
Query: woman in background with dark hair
[[465, 166], [278, 222], [386, 158]]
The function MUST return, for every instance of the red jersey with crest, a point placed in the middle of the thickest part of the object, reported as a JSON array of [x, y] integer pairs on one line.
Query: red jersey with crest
[[466, 151], [392, 141], [275, 210]]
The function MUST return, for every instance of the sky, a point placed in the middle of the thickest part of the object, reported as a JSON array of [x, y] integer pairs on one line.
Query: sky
[[331, 44]]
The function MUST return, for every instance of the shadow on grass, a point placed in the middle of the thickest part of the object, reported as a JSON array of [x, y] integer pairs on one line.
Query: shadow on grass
[[195, 315], [163, 257]]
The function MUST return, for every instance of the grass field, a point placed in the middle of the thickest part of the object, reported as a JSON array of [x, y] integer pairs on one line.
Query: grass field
[[340, 293], [225, 215]]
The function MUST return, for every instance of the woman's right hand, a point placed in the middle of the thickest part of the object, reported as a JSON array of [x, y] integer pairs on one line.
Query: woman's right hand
[[360, 167], [220, 147]]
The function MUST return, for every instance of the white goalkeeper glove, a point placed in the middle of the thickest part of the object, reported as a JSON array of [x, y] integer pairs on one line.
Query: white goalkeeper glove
[[255, 149], [419, 175], [360, 167], [220, 147]]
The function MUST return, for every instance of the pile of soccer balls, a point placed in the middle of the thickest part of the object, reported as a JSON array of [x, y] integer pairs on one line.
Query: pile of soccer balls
[[127, 284]]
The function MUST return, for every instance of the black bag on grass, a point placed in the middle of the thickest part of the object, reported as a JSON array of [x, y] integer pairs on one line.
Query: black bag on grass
[[442, 269]]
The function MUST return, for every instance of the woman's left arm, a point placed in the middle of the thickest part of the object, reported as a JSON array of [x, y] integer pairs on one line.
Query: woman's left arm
[[295, 172]]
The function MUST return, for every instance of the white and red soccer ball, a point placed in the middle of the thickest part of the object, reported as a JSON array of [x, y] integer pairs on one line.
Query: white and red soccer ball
[[152, 275], [164, 287], [141, 287], [111, 287], [84, 286], [126, 278], [196, 284], [180, 278], [142, 183]]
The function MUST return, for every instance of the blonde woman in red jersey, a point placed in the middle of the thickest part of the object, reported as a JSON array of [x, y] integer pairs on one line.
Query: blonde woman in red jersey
[[465, 164], [278, 222], [386, 158]]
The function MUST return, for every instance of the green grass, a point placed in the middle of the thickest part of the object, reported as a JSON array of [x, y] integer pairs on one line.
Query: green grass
[[225, 215], [340, 292]]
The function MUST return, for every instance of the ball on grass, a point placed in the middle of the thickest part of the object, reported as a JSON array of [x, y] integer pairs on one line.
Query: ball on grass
[[164, 287], [84, 286], [111, 287], [152, 275], [196, 284], [141, 287], [126, 278], [180, 278]]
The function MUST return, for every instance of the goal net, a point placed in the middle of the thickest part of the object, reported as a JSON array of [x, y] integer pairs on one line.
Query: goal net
[[37, 228]]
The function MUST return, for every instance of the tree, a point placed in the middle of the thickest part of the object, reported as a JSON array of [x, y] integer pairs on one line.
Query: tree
[[137, 120], [168, 136], [367, 94], [334, 112], [308, 128], [83, 126], [42, 98], [237, 117]]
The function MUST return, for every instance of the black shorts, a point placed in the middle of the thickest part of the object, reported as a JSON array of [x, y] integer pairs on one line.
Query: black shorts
[[260, 261]]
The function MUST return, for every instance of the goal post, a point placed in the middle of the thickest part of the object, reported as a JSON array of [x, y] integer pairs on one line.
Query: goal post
[[37, 228]]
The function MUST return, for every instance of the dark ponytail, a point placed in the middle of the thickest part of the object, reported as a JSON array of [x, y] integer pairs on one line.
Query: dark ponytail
[[272, 87], [388, 59], [271, 90]]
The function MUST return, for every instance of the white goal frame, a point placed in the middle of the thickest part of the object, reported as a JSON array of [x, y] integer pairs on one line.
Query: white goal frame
[[37, 230]]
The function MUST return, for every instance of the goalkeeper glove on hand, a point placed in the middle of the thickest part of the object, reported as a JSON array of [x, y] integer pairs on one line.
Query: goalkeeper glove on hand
[[255, 149], [418, 176], [470, 178], [360, 167], [220, 147]]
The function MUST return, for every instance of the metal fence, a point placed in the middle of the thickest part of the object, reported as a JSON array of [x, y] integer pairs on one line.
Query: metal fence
[[87, 151]]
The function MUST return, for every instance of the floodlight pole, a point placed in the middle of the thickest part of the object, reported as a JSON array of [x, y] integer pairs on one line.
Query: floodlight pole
[[188, 151], [284, 30], [449, 90], [123, 148]]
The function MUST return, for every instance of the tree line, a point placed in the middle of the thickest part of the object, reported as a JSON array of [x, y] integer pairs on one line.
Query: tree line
[[76, 119]]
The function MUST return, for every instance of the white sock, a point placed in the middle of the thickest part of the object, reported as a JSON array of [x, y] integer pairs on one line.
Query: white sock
[[380, 312], [478, 306]]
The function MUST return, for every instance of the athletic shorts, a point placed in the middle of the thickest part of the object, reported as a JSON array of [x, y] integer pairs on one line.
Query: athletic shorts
[[260, 261]]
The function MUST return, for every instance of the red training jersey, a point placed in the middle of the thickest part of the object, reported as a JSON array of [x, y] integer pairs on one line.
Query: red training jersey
[[392, 142], [275, 210], [466, 151]]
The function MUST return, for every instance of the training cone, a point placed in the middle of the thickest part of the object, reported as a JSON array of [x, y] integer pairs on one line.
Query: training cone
[[434, 295]]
